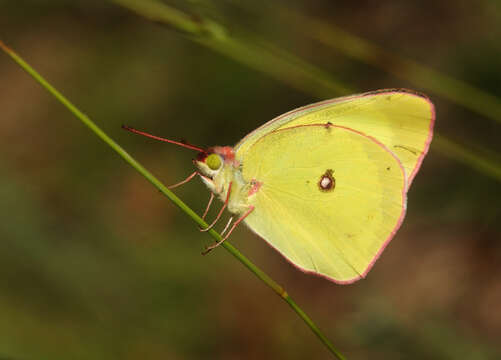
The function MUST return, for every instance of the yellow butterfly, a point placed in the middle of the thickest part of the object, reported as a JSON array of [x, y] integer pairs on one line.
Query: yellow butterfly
[[325, 184]]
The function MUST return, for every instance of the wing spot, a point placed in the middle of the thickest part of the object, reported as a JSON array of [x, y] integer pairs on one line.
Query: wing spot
[[388, 168], [327, 181]]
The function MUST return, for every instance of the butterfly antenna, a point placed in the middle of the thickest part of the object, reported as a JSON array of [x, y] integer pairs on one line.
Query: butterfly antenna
[[188, 146]]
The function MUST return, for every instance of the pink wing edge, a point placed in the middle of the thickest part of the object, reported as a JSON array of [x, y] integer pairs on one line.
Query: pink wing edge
[[387, 241]]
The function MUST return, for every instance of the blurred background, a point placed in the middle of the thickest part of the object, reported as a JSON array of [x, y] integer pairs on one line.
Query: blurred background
[[96, 264]]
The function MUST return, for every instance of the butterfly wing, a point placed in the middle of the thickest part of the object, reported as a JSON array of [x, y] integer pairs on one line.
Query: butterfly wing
[[399, 119], [335, 231]]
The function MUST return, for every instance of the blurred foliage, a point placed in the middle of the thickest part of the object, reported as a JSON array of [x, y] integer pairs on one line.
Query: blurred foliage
[[94, 263]]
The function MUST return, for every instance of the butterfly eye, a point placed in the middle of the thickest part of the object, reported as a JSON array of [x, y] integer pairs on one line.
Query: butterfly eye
[[213, 161]]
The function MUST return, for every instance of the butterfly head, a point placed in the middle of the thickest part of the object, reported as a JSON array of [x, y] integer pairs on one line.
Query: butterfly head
[[211, 162]]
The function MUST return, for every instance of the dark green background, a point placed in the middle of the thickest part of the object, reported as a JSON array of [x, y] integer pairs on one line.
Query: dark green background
[[96, 264]]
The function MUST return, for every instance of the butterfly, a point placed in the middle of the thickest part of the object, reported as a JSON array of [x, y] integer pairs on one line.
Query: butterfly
[[325, 184]]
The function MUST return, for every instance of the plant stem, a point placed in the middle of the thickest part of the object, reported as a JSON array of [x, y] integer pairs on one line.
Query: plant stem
[[171, 196]]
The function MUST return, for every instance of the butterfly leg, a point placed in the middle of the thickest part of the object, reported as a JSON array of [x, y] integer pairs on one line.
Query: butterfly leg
[[184, 181], [208, 205], [213, 246], [227, 226], [220, 211]]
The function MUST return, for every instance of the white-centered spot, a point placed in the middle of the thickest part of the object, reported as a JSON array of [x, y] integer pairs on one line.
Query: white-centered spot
[[325, 183]]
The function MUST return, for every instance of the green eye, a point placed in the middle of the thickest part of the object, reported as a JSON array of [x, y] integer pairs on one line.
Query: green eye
[[213, 161]]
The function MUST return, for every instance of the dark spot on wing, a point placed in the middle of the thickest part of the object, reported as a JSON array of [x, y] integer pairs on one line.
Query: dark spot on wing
[[327, 181]]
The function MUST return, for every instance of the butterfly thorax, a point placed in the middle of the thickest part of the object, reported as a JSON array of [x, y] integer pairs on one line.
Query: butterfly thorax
[[218, 169]]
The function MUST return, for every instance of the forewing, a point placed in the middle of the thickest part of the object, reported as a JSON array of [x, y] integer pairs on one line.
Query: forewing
[[399, 119], [335, 232]]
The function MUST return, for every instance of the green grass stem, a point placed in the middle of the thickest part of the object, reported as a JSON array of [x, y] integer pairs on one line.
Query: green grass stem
[[171, 196]]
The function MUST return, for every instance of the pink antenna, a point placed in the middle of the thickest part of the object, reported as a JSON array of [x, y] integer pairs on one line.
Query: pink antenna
[[188, 146]]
